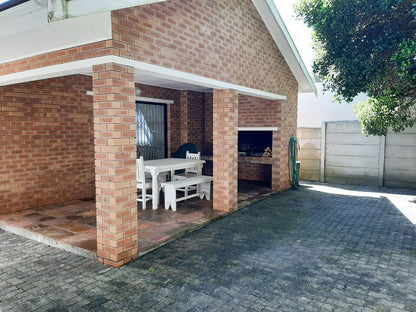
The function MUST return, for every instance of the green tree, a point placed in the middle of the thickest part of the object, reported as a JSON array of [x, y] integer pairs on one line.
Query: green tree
[[367, 46]]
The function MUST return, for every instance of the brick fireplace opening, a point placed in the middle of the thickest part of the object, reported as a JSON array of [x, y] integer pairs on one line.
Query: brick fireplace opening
[[254, 143], [253, 164]]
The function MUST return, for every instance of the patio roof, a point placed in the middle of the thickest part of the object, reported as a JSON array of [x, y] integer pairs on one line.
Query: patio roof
[[145, 73]]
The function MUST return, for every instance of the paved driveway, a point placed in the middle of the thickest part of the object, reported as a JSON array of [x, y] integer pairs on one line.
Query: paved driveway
[[318, 248]]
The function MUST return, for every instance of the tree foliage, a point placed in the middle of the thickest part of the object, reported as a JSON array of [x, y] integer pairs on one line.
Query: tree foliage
[[367, 46]]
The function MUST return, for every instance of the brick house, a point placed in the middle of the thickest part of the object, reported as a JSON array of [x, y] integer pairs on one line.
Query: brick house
[[69, 86]]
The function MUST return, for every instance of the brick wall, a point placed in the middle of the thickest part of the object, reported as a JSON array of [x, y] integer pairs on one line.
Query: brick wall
[[184, 120], [207, 149], [196, 122], [252, 112], [257, 112], [47, 151], [192, 109], [224, 40], [254, 172], [96, 49]]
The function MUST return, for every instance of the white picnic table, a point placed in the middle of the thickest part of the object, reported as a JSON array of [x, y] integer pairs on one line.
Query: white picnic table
[[156, 166]]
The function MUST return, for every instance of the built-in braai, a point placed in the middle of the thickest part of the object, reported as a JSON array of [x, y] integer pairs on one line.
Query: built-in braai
[[254, 143]]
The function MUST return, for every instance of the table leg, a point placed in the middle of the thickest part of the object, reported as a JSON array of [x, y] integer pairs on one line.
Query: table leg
[[155, 191]]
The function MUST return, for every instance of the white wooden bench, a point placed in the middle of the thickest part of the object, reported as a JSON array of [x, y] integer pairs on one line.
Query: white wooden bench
[[203, 188]]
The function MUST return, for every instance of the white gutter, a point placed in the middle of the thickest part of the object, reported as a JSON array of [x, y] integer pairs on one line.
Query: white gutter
[[64, 9]]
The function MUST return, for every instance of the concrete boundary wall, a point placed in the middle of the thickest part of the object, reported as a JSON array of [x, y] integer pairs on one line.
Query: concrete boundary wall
[[310, 153], [339, 153]]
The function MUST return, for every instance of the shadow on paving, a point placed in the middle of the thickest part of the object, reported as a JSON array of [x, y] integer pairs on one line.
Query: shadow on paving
[[321, 247]]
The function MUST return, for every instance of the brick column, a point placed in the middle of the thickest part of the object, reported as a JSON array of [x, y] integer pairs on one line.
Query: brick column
[[115, 163], [225, 149], [277, 161], [287, 129], [184, 104]]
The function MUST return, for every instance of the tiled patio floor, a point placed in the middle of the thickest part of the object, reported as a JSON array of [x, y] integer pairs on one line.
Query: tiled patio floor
[[72, 225]]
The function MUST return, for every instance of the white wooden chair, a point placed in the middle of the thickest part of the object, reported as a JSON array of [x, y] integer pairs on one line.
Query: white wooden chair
[[189, 173], [162, 177], [143, 184]]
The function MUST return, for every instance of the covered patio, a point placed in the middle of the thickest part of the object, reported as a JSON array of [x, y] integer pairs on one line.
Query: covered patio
[[204, 111], [70, 111]]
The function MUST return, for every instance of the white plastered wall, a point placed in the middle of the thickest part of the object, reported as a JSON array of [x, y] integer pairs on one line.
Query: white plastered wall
[[313, 110]]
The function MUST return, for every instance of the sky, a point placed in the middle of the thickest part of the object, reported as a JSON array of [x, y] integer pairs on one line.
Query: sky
[[301, 35]]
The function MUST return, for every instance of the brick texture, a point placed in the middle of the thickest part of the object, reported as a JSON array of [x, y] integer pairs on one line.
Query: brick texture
[[46, 150], [254, 172], [225, 159], [192, 108], [184, 117], [208, 122], [257, 112], [224, 40], [96, 49], [196, 112], [115, 163]]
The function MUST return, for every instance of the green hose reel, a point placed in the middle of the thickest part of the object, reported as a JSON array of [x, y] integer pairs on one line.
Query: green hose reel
[[294, 165]]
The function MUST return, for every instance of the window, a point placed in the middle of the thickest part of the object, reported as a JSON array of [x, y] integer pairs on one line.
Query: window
[[151, 130], [144, 135]]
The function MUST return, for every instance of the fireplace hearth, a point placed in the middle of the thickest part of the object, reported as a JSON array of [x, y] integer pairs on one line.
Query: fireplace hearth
[[253, 143]]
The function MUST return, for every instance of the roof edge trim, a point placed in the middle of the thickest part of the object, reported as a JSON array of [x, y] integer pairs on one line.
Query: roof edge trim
[[85, 67]]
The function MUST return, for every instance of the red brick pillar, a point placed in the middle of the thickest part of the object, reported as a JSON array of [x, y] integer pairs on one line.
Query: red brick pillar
[[278, 165], [225, 149], [287, 129], [184, 105], [115, 163]]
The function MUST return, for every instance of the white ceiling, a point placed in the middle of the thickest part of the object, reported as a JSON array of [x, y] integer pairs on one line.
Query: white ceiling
[[144, 73], [148, 79]]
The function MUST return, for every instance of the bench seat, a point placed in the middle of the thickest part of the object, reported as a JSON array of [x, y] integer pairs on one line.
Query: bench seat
[[203, 188]]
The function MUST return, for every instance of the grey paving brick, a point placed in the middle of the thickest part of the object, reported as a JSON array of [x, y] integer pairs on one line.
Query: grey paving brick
[[320, 248]]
